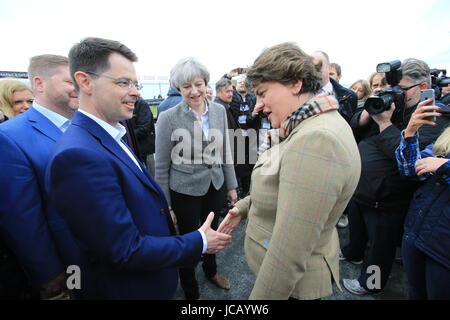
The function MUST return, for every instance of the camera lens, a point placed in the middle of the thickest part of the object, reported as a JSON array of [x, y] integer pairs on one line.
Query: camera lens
[[374, 105]]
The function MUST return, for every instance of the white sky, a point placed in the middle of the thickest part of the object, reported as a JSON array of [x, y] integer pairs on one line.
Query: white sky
[[224, 34]]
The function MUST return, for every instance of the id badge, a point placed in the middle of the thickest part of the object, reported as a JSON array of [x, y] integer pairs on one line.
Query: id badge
[[242, 119], [265, 124]]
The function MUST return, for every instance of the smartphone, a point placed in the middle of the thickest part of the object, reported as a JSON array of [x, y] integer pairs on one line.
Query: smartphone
[[428, 94]]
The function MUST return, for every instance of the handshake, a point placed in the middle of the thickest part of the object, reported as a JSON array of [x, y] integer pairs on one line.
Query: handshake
[[218, 240]]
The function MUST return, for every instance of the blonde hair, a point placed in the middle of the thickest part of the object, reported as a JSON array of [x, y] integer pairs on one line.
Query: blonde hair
[[7, 89], [365, 86], [45, 66], [442, 145]]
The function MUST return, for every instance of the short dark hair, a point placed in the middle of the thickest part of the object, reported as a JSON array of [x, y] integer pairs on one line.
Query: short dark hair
[[285, 63], [337, 68], [92, 54], [222, 84]]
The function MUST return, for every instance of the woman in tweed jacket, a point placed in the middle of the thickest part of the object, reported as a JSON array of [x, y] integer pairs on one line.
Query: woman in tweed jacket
[[301, 185]]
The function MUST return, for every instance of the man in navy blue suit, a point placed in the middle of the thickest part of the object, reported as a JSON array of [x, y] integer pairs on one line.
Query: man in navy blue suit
[[114, 208], [29, 226]]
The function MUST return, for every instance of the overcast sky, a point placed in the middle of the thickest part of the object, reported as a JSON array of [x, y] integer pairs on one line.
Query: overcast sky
[[224, 34]]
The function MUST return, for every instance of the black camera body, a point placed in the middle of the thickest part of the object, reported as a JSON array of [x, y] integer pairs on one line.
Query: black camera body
[[382, 100], [439, 80]]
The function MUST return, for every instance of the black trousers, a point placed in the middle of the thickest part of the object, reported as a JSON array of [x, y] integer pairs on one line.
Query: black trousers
[[191, 213], [381, 228]]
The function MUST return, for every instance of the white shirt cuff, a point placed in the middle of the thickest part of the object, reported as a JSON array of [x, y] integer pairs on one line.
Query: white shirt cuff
[[205, 242]]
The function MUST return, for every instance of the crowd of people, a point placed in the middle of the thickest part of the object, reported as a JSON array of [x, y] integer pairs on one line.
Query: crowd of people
[[90, 180]]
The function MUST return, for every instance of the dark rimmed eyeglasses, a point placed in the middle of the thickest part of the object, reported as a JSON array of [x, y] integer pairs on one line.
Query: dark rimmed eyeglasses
[[121, 82], [407, 88]]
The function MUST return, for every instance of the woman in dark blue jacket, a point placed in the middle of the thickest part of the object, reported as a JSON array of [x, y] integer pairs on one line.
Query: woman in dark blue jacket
[[426, 239]]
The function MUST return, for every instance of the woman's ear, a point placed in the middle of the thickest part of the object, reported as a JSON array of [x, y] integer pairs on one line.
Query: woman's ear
[[296, 87]]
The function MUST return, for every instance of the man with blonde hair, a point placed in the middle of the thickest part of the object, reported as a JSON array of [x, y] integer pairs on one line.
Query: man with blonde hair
[[30, 227]]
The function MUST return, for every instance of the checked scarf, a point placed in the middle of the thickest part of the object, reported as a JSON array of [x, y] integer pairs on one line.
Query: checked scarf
[[314, 106]]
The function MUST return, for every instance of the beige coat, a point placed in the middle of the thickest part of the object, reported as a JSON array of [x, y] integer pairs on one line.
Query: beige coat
[[299, 190]]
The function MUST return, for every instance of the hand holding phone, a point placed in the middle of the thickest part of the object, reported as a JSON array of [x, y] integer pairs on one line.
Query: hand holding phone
[[425, 95], [425, 114]]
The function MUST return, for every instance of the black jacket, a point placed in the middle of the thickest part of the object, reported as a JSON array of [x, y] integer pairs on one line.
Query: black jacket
[[144, 128], [348, 100], [381, 185], [232, 124], [252, 122], [14, 282], [446, 99]]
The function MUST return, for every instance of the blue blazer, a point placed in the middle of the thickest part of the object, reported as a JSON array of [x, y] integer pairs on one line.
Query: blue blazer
[[31, 227], [119, 216]]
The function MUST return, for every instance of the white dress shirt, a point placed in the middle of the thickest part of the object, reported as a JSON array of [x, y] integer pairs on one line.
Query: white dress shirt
[[205, 119], [62, 123], [116, 132]]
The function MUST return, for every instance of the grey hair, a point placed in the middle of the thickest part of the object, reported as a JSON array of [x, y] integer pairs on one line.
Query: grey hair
[[326, 58], [416, 71], [186, 70], [222, 84]]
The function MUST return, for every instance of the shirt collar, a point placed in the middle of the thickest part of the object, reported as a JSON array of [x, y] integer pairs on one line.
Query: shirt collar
[[58, 120], [206, 108], [328, 88], [116, 132]]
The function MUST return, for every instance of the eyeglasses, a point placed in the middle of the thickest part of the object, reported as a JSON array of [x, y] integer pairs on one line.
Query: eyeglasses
[[407, 88], [121, 82]]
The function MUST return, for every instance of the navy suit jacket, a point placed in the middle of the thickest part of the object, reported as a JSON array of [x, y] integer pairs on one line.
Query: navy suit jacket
[[119, 215], [31, 227]]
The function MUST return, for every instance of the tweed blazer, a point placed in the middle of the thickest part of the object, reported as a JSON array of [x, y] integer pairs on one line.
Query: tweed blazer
[[186, 161], [299, 190]]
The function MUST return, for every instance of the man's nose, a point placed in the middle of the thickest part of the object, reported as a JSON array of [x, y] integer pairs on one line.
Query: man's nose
[[134, 92]]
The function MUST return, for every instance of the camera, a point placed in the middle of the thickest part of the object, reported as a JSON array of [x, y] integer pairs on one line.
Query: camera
[[394, 94], [439, 80]]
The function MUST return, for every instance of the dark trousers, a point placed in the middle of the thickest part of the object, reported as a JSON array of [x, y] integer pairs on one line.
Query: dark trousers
[[191, 213], [427, 279], [382, 229]]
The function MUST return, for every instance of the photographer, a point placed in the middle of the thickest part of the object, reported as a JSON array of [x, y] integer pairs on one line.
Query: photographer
[[381, 200]]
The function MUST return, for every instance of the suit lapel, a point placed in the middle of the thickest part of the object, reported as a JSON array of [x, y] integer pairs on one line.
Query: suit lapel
[[42, 124], [111, 145], [214, 121]]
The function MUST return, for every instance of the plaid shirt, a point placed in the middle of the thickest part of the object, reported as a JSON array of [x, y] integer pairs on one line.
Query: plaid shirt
[[408, 153]]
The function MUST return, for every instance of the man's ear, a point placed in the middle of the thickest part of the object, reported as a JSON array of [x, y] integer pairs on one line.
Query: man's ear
[[38, 84], [423, 86], [84, 82]]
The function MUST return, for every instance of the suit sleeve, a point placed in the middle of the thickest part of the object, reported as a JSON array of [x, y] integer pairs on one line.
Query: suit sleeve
[[310, 183], [163, 150], [90, 198], [22, 222], [243, 206]]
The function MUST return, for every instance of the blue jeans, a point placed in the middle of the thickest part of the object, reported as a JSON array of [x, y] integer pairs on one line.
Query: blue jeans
[[427, 279]]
